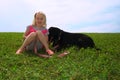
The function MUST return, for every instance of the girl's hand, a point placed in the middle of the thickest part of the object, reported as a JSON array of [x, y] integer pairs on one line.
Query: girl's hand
[[24, 37]]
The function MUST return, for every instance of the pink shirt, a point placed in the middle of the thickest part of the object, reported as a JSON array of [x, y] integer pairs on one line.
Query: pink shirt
[[34, 29]]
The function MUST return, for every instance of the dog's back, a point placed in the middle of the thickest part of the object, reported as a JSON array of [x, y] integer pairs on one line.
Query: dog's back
[[78, 39]]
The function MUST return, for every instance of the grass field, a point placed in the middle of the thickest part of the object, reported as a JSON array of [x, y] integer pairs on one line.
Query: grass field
[[83, 64]]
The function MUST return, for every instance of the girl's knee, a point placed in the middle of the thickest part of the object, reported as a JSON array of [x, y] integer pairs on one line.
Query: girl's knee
[[33, 34]]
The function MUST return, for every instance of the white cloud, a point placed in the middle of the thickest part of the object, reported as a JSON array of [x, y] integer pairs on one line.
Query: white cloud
[[107, 27], [70, 11], [60, 12]]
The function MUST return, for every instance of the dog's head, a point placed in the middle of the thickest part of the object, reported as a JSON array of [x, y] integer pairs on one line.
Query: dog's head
[[54, 34]]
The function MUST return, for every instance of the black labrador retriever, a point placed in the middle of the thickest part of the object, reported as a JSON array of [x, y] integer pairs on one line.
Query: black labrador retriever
[[61, 39]]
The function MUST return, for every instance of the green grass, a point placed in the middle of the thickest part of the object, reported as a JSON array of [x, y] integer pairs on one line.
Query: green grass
[[84, 64]]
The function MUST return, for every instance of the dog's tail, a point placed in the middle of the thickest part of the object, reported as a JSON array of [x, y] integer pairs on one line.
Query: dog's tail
[[97, 49]]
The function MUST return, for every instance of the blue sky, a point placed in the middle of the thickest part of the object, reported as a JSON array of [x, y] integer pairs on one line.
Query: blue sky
[[69, 15]]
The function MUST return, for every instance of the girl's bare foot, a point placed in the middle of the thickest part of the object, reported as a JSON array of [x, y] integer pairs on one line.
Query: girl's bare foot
[[19, 51], [50, 52]]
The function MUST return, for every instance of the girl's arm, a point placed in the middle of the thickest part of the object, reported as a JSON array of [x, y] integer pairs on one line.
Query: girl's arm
[[26, 33], [46, 36]]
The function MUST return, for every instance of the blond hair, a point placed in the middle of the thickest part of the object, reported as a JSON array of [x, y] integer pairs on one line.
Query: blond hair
[[44, 16]]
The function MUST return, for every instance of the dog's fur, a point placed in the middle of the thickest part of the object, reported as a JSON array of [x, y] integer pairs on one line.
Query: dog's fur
[[61, 39]]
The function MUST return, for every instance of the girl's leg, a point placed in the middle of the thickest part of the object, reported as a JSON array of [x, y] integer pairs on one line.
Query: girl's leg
[[43, 40], [35, 46], [27, 41]]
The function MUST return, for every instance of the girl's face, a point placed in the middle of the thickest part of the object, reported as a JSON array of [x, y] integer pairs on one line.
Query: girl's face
[[39, 19]]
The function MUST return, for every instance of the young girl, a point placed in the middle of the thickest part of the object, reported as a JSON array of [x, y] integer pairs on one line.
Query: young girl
[[36, 35]]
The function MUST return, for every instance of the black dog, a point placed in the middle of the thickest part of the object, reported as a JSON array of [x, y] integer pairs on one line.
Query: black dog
[[61, 39]]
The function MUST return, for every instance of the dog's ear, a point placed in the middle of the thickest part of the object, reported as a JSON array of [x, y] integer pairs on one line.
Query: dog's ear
[[54, 30], [55, 33]]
